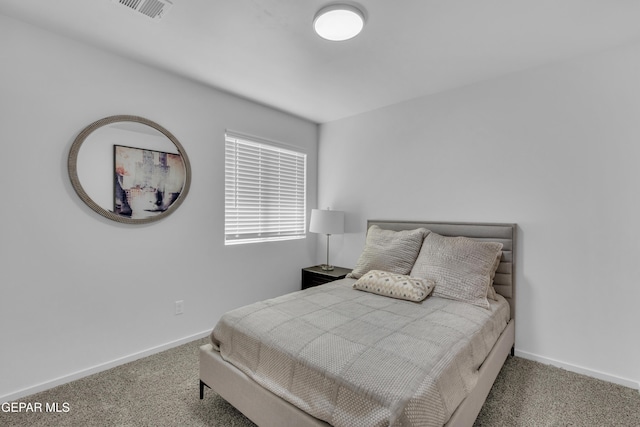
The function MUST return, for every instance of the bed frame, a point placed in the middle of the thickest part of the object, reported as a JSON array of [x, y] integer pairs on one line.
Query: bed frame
[[266, 409]]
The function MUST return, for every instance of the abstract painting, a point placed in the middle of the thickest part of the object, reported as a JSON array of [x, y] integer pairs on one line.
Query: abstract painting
[[147, 182]]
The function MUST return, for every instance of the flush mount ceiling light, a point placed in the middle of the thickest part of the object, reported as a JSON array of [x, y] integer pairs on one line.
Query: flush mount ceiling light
[[338, 22]]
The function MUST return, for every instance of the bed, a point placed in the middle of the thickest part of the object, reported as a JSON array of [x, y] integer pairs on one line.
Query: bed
[[253, 376]]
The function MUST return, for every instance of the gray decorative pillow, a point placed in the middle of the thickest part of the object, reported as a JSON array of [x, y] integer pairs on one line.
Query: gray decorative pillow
[[395, 285], [491, 293], [388, 250], [461, 267]]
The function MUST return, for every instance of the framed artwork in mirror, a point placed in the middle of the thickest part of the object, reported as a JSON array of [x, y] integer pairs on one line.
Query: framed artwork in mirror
[[147, 182]]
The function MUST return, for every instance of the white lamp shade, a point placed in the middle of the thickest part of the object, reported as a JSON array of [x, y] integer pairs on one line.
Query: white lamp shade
[[326, 222]]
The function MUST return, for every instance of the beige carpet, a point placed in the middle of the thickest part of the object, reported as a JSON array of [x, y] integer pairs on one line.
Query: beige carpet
[[162, 390]]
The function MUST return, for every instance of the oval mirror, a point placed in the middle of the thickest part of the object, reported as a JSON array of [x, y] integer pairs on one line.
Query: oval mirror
[[129, 169]]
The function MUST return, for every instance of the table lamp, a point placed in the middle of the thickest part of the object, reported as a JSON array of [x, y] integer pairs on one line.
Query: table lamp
[[326, 222]]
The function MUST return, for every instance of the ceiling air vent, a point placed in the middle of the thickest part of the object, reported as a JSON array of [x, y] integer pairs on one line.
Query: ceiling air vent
[[154, 9]]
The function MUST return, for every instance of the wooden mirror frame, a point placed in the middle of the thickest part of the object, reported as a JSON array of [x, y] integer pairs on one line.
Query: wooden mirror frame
[[72, 167]]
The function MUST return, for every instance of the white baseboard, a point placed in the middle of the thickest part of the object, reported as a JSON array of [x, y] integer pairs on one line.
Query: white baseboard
[[99, 368], [579, 370], [130, 358]]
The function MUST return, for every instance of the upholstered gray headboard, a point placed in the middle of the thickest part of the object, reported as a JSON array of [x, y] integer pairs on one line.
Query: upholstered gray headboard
[[504, 282]]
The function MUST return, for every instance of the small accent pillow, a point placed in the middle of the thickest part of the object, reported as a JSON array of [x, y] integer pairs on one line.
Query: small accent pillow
[[388, 250], [395, 285], [461, 267]]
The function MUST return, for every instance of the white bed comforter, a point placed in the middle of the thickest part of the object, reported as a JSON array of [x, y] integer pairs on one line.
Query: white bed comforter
[[352, 358]]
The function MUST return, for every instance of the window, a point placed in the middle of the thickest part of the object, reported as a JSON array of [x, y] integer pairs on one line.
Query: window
[[265, 191]]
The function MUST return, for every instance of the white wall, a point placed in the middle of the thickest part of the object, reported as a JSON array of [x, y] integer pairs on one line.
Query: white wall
[[78, 291], [556, 150]]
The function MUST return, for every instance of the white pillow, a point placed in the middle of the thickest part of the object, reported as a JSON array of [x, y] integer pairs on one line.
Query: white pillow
[[388, 250], [461, 267]]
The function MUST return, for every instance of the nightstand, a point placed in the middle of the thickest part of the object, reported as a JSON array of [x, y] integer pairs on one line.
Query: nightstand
[[314, 276]]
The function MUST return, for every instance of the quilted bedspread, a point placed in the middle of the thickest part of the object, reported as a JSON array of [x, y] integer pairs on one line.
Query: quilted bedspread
[[353, 358]]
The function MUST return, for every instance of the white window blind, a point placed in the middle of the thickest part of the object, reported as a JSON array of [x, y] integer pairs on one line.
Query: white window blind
[[265, 191]]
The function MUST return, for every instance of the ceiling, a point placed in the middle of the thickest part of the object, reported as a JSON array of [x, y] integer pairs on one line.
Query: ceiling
[[266, 51]]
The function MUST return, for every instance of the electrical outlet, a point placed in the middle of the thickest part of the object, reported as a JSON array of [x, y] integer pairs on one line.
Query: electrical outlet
[[179, 307]]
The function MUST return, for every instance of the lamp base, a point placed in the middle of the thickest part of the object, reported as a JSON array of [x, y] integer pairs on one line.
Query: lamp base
[[326, 267]]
